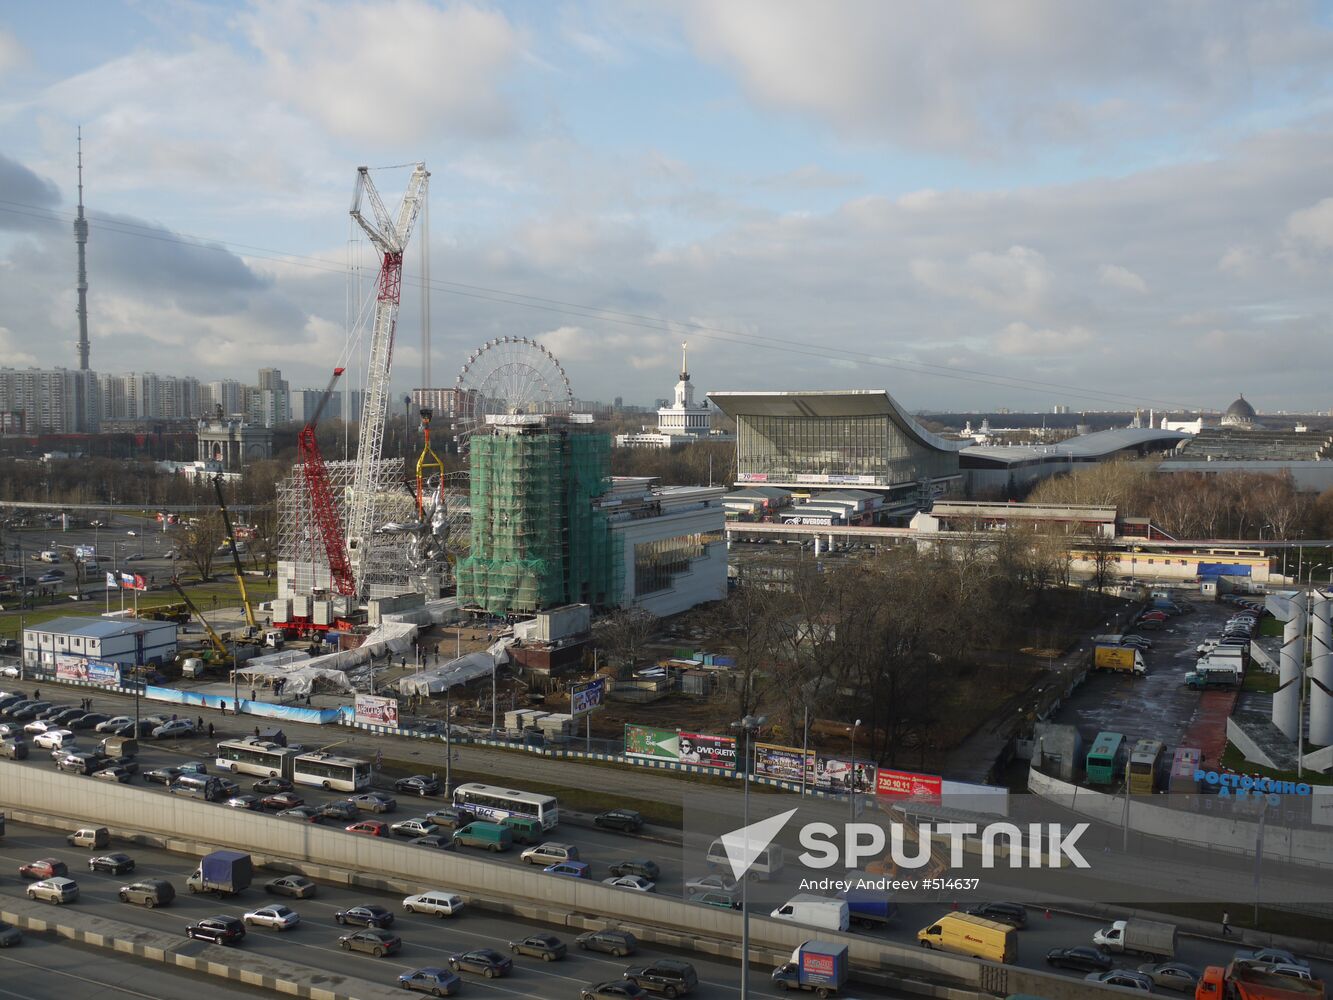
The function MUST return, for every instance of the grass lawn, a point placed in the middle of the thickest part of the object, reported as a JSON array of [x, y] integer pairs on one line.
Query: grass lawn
[[1233, 759], [1261, 682]]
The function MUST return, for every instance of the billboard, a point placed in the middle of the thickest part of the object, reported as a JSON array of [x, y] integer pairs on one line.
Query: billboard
[[375, 711], [684, 748], [583, 698], [908, 785], [75, 668], [782, 763], [836, 775]]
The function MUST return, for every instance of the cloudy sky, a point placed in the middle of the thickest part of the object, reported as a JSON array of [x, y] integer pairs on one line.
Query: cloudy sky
[[970, 204]]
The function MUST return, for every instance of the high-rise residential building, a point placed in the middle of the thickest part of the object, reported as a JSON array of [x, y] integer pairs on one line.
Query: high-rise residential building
[[445, 403], [47, 399], [112, 388], [228, 394], [270, 404], [304, 402]]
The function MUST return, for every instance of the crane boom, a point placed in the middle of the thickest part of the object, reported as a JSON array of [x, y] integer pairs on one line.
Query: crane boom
[[213, 637], [235, 556], [322, 503], [390, 237]]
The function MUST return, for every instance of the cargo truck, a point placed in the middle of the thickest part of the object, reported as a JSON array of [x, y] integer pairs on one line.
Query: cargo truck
[[222, 872], [816, 966], [868, 908], [1121, 659], [1146, 937], [1208, 673], [1244, 982]]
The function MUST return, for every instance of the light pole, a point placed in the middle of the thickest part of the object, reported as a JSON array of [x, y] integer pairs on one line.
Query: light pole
[[747, 727], [851, 787], [1300, 712]]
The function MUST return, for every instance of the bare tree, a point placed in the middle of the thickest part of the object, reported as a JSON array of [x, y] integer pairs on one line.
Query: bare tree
[[198, 543], [1102, 556], [622, 635]]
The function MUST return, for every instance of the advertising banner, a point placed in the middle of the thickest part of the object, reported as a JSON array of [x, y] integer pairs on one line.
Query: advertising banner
[[583, 698], [782, 763], [645, 741], [908, 785], [75, 668], [708, 751], [376, 711], [836, 775]]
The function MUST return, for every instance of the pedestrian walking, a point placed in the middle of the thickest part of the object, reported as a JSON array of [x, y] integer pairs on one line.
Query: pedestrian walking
[[256, 732], [307, 699], [36, 695], [1226, 924], [253, 696], [210, 730], [223, 707], [199, 723]]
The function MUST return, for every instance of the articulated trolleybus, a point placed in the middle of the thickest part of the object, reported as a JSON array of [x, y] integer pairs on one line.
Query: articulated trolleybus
[[269, 760], [343, 774], [250, 756], [495, 802]]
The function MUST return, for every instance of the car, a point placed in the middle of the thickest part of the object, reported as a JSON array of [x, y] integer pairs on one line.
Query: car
[[570, 869], [88, 720], [722, 900], [1079, 959], [219, 930], [149, 893], [1143, 642], [1172, 976], [624, 820], [371, 940], [276, 916], [9, 935], [418, 784], [637, 866], [132, 533], [450, 817], [54, 890], [279, 801], [610, 941], [11, 730], [271, 786], [110, 724], [54, 710], [43, 868], [122, 773], [116, 864], [338, 809], [174, 729], [710, 883], [547, 947], [668, 976], [635, 882], [295, 886], [365, 915], [368, 828], [1270, 956], [54, 739], [438, 840], [1121, 977], [162, 775], [435, 981], [1013, 914], [193, 767], [243, 802], [414, 828], [621, 989], [38, 726], [14, 749], [1290, 971], [24, 711], [486, 961], [80, 763], [440, 903], [306, 814], [374, 802]]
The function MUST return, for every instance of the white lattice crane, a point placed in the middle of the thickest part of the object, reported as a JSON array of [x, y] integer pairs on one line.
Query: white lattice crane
[[390, 236]]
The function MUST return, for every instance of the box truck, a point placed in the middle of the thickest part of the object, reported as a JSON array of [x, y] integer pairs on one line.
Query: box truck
[[816, 911], [816, 966], [1146, 937], [868, 908], [964, 934], [1121, 659], [1244, 982], [1209, 673], [222, 872]]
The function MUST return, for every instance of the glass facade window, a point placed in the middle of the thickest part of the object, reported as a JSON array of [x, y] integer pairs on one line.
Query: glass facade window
[[784, 447], [657, 564]]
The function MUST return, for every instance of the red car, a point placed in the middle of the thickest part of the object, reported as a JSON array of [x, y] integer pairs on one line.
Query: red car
[[1153, 616], [369, 827], [43, 868], [280, 801]]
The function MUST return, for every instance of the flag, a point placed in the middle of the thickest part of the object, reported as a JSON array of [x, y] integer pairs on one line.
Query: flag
[[127, 580], [111, 583], [140, 583]]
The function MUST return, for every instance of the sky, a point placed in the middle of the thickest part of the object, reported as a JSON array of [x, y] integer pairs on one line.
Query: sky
[[972, 205]]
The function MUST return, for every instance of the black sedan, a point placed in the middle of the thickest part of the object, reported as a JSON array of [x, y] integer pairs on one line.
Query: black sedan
[[547, 947], [486, 961], [418, 784], [340, 809], [621, 989], [89, 721], [162, 775], [116, 864], [271, 786], [645, 867], [437, 841], [296, 886], [365, 915], [1080, 959], [624, 820]]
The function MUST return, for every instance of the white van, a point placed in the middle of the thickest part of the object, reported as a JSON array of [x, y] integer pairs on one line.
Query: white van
[[814, 911], [766, 865], [440, 902], [50, 556]]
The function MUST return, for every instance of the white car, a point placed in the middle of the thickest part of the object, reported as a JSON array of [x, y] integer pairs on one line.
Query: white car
[[419, 827], [39, 726], [132, 533], [710, 883], [440, 902], [636, 882], [9, 729], [110, 724], [54, 739], [277, 916], [173, 727]]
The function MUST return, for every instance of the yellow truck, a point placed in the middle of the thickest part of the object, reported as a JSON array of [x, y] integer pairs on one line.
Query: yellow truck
[[977, 937], [1121, 659]]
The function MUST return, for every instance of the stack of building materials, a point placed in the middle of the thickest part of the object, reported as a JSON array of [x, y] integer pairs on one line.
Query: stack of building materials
[[555, 724], [522, 718]]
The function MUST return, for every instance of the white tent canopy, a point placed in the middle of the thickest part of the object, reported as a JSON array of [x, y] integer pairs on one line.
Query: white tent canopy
[[466, 668]]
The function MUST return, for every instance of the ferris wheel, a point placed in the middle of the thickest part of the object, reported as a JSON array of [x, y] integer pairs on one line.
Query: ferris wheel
[[508, 375]]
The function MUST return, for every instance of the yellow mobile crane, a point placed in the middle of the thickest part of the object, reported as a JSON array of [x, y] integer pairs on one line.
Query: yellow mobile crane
[[235, 558], [213, 637]]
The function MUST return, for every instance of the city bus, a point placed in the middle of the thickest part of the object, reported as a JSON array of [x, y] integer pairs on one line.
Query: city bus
[[494, 803], [1145, 766], [251, 756], [1106, 759], [344, 774]]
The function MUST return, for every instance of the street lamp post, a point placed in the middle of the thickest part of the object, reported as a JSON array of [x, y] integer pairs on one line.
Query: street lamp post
[[747, 726], [851, 788]]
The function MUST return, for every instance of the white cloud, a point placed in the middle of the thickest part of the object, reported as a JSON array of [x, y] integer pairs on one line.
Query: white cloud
[[1115, 276], [1016, 281], [1021, 339], [389, 71], [9, 349], [1313, 226], [13, 56]]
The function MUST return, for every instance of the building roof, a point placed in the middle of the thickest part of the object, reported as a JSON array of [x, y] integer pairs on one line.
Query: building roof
[[1085, 447], [830, 403], [98, 628], [1241, 410]]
